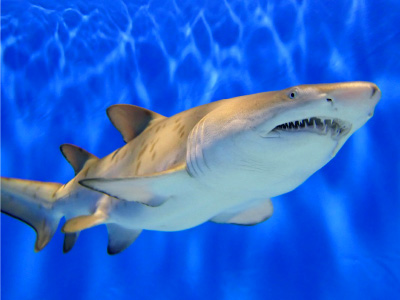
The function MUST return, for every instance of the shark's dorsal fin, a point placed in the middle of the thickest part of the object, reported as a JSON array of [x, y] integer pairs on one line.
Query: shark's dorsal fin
[[76, 156], [251, 213], [130, 120]]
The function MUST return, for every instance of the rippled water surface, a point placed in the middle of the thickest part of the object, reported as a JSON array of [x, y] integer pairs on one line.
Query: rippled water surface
[[64, 62]]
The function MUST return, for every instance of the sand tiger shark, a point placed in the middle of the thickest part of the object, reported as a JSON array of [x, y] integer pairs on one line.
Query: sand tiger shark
[[219, 162]]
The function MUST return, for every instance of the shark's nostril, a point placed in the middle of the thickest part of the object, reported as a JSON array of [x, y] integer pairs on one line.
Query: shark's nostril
[[374, 90]]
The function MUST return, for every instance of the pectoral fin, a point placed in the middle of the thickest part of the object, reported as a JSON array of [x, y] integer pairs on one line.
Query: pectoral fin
[[151, 190], [251, 213]]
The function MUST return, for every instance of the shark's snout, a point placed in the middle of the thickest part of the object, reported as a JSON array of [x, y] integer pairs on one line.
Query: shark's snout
[[354, 99], [354, 91], [375, 90]]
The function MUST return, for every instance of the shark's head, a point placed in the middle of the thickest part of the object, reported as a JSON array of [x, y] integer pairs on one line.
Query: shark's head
[[283, 135], [332, 110]]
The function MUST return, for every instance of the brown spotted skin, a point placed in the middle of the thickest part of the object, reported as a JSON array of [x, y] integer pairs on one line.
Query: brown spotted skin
[[161, 146]]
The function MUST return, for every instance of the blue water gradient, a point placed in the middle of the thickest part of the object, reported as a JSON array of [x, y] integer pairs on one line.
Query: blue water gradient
[[64, 62]]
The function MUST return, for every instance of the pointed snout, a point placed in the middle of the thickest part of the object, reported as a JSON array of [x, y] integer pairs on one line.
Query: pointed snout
[[353, 96], [357, 91], [355, 100], [375, 91]]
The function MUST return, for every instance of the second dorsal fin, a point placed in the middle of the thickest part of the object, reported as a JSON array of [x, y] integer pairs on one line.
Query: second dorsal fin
[[130, 120], [76, 156]]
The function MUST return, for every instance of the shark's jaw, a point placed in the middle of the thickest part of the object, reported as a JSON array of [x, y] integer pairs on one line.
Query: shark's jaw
[[334, 127]]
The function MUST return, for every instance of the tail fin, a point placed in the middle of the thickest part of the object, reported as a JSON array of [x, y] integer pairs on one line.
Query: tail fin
[[32, 202]]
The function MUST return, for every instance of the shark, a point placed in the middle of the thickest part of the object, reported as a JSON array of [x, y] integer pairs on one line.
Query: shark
[[220, 162]]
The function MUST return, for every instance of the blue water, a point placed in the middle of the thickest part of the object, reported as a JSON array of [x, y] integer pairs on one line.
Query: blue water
[[64, 62]]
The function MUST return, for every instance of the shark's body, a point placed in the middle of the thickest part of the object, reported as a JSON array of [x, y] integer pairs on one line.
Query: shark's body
[[222, 161]]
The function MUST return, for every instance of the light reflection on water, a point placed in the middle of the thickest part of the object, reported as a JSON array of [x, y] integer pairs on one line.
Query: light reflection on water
[[64, 63]]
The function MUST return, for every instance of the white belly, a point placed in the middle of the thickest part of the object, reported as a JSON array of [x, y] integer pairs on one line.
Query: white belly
[[185, 210]]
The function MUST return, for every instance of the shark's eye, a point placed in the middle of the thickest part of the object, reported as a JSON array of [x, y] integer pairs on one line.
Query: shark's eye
[[293, 94]]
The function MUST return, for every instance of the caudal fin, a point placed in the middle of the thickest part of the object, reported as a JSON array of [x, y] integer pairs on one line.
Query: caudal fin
[[32, 202]]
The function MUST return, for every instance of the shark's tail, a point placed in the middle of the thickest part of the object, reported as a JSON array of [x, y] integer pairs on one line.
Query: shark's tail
[[33, 203]]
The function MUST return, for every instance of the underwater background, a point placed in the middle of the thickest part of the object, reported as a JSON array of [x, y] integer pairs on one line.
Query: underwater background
[[63, 63]]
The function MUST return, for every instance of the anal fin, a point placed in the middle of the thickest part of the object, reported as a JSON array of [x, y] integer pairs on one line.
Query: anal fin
[[120, 238], [69, 241], [250, 213]]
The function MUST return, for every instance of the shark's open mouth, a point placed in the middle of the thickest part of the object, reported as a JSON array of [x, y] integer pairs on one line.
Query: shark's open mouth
[[336, 127]]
